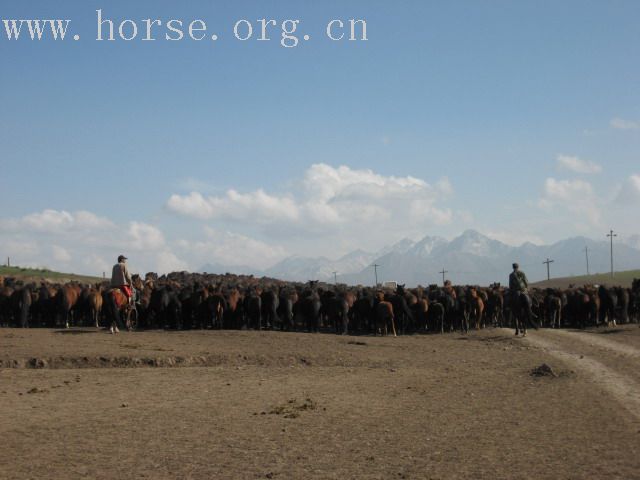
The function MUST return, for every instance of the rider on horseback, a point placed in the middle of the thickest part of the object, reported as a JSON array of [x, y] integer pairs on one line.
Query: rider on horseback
[[120, 277], [449, 290], [519, 285]]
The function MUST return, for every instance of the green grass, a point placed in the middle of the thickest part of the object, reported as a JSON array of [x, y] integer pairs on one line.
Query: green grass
[[622, 279], [43, 273]]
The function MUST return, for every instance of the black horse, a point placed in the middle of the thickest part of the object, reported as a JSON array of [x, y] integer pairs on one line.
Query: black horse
[[608, 305], [403, 315], [308, 310], [519, 306]]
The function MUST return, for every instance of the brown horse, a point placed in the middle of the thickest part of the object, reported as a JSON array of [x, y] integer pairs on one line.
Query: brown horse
[[476, 308], [67, 298], [420, 312], [233, 313], [384, 317], [118, 306], [95, 304]]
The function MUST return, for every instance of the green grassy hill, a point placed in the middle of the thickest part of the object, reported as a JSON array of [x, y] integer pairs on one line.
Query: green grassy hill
[[622, 279], [36, 274]]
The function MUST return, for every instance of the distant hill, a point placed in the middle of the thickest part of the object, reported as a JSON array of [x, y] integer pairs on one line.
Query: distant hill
[[622, 279], [38, 274]]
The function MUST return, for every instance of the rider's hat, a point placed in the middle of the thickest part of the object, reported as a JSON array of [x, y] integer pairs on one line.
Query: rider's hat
[[121, 258], [515, 265]]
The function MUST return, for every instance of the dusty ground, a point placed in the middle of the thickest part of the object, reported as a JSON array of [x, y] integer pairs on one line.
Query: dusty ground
[[246, 405]]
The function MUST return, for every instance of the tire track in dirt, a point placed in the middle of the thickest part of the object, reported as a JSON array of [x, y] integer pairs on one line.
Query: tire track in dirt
[[625, 390], [597, 340]]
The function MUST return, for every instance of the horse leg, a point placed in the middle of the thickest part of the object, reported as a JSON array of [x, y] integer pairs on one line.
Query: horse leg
[[393, 326], [559, 317]]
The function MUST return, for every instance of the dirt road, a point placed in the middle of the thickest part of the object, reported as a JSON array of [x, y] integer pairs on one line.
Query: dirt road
[[275, 405], [613, 367]]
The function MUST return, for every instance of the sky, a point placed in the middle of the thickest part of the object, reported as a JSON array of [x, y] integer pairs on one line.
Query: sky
[[518, 119]]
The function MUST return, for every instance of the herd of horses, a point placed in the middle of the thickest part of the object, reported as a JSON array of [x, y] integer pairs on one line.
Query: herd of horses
[[206, 301]]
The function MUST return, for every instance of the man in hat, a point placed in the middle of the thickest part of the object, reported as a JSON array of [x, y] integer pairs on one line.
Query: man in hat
[[120, 277], [519, 285], [448, 288]]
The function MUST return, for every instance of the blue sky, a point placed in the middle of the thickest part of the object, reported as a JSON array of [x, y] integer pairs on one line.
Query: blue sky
[[519, 119]]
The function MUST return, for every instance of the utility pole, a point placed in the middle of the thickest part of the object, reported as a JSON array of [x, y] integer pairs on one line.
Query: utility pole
[[443, 272], [548, 262], [586, 254], [335, 277], [611, 235], [375, 269], [8, 262]]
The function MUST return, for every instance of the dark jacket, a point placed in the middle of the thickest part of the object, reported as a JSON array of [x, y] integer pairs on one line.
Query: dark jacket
[[518, 281]]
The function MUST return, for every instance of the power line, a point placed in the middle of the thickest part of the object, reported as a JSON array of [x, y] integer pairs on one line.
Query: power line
[[443, 272], [611, 235], [375, 269], [548, 262], [586, 254]]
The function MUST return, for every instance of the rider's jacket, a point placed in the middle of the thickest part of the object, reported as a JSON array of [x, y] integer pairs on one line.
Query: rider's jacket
[[120, 275], [518, 281]]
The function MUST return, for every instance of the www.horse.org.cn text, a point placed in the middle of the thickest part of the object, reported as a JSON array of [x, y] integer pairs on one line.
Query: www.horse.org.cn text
[[288, 33]]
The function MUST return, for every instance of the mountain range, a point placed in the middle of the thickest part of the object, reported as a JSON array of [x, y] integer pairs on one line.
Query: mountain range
[[470, 258]]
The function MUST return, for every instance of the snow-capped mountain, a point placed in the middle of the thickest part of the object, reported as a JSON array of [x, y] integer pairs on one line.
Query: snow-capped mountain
[[474, 258], [471, 258]]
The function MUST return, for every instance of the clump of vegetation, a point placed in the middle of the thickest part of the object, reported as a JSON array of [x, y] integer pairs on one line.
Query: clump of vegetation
[[293, 408]]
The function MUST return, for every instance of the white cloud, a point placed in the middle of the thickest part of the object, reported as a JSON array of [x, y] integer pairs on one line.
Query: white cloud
[[192, 205], [143, 236], [167, 261], [236, 206], [328, 198], [231, 249], [97, 263], [60, 254], [629, 193], [575, 196], [84, 219], [575, 164], [49, 221], [633, 241], [566, 190], [83, 241], [87, 243], [18, 247], [620, 124], [57, 221]]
